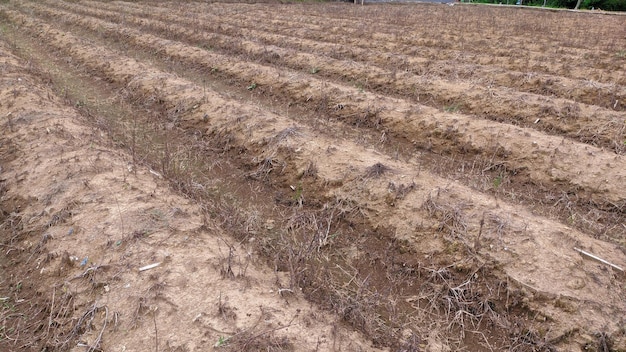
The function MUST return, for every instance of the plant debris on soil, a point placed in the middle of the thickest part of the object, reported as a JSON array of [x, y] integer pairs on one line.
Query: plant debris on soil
[[193, 176]]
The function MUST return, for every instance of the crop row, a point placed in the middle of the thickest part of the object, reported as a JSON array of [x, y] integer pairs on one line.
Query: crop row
[[548, 158]]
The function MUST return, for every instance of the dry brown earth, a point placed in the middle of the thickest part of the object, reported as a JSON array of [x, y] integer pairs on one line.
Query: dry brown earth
[[311, 177]]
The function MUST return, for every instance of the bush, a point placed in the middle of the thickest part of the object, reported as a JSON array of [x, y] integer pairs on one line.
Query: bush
[[612, 5], [609, 5]]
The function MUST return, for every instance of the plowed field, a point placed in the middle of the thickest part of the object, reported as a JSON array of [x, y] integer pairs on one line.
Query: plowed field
[[311, 177]]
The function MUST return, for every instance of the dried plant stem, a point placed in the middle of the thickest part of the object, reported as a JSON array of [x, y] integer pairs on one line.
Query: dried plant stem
[[156, 332]]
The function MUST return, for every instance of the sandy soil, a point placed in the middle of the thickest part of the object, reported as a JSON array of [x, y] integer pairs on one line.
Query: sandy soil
[[94, 220], [311, 177]]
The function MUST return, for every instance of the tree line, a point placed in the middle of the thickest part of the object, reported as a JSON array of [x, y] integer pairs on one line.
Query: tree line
[[608, 5]]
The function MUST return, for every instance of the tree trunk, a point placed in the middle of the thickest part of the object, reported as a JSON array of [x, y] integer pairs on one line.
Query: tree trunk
[[578, 4]]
